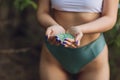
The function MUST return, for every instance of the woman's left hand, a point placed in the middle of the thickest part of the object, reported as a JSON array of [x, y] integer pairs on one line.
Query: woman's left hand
[[77, 33]]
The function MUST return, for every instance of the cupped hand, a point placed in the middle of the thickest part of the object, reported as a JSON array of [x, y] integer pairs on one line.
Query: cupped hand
[[77, 33], [51, 33]]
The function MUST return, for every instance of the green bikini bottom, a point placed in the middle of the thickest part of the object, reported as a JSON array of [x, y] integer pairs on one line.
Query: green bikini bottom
[[74, 59]]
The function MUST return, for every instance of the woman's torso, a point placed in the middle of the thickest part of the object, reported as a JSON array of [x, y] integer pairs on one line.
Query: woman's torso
[[68, 19], [76, 12]]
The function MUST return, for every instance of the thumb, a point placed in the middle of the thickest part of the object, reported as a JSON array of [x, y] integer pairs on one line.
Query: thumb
[[78, 38], [49, 32]]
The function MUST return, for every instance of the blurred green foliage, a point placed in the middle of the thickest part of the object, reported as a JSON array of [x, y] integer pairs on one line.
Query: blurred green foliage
[[22, 4]]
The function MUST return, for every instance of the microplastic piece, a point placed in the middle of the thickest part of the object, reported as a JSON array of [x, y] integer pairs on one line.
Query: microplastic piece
[[63, 36]]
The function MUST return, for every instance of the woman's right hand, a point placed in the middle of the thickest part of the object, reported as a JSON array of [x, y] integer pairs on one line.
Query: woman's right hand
[[51, 33]]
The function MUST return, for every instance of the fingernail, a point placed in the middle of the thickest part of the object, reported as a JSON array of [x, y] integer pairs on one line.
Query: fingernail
[[65, 39], [64, 42], [46, 37], [58, 40], [56, 37], [63, 45], [76, 42]]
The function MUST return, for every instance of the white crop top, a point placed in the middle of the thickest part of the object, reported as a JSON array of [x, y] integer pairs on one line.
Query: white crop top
[[78, 5]]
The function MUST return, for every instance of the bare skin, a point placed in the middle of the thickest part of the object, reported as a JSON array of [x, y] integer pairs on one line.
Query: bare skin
[[91, 27], [51, 69], [68, 19], [50, 66]]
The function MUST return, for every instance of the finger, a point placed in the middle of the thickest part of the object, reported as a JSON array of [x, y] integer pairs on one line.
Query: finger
[[78, 39], [70, 40], [58, 43], [52, 40], [49, 33], [58, 40], [69, 44]]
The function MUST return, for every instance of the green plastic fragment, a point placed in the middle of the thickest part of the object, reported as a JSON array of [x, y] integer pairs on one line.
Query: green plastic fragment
[[63, 36]]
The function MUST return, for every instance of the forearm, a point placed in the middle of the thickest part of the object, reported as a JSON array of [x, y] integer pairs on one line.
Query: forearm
[[100, 25], [106, 21], [46, 20]]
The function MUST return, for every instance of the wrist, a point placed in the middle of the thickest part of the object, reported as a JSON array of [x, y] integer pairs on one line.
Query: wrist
[[52, 25], [58, 26], [55, 24], [80, 29]]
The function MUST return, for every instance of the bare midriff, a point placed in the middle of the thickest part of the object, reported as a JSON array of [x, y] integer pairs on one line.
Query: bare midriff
[[70, 19]]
